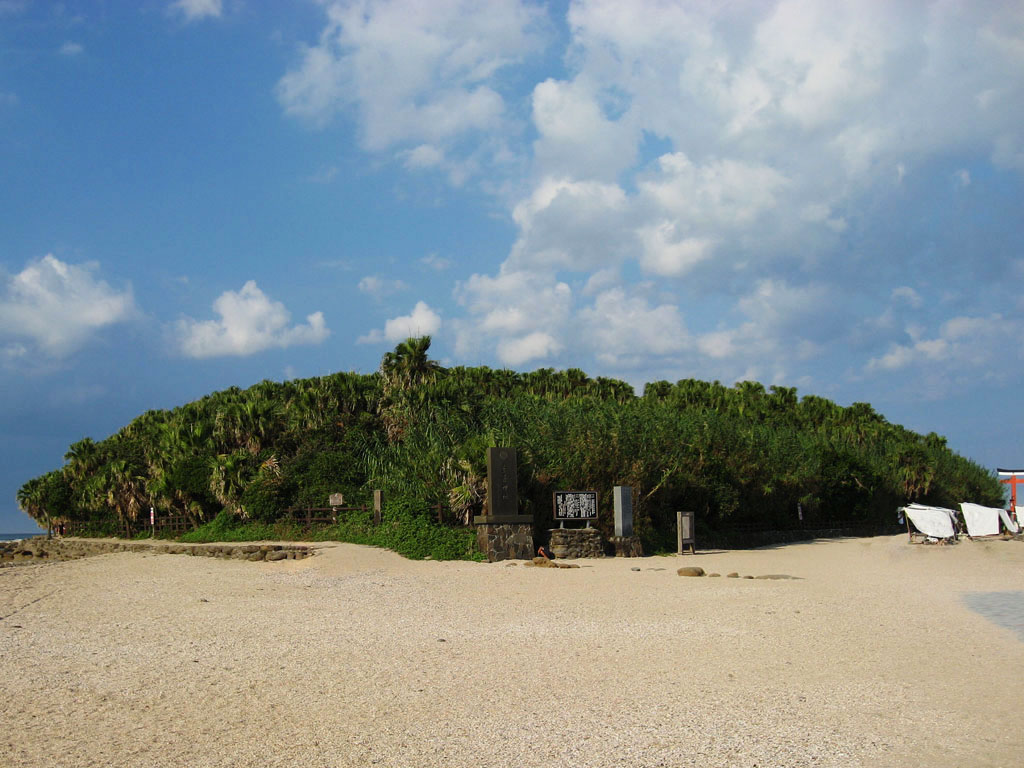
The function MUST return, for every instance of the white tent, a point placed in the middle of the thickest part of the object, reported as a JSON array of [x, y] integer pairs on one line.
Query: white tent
[[981, 521], [1011, 524], [936, 522]]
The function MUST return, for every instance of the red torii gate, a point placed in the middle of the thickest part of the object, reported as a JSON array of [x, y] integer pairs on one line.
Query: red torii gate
[[1014, 477]]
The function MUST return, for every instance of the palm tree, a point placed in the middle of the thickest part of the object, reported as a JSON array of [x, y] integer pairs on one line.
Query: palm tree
[[126, 491], [30, 500], [228, 479], [408, 365], [404, 371]]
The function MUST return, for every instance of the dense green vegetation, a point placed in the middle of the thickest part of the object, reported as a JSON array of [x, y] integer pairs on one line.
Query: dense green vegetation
[[738, 456]]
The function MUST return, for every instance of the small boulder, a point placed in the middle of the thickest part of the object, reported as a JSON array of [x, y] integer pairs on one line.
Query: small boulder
[[712, 575], [691, 570], [732, 575]]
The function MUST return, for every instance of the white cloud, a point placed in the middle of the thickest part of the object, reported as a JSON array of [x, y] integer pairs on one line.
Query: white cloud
[[194, 10], [779, 127], [424, 156], [575, 135], [812, 311], [905, 293], [71, 49], [712, 170], [625, 331], [436, 262], [533, 346], [57, 308], [520, 314], [667, 255], [575, 225], [727, 193], [422, 321], [379, 287], [250, 322], [963, 346], [422, 76]]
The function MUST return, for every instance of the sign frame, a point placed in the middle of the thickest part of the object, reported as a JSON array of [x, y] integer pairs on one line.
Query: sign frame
[[590, 496]]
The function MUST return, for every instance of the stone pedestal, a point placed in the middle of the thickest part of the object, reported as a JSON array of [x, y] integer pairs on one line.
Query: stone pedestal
[[505, 541], [627, 546], [573, 543]]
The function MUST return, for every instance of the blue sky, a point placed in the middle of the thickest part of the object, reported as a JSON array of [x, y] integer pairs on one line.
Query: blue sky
[[207, 193]]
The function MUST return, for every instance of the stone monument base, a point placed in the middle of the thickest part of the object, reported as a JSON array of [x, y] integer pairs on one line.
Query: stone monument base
[[627, 546], [505, 541], [573, 543]]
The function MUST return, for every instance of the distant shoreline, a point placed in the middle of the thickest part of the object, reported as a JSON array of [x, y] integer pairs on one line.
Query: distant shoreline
[[16, 536]]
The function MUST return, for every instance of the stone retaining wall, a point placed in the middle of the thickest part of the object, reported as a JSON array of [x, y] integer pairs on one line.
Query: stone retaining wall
[[574, 543], [41, 549], [512, 541]]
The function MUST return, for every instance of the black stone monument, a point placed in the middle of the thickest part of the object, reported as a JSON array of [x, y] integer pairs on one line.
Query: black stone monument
[[503, 533]]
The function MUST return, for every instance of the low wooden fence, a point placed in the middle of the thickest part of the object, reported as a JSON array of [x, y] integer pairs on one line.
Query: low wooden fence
[[310, 516]]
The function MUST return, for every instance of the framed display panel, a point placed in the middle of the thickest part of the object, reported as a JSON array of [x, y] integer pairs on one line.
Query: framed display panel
[[575, 505]]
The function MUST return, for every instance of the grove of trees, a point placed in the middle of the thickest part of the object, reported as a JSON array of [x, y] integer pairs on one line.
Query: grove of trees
[[737, 456]]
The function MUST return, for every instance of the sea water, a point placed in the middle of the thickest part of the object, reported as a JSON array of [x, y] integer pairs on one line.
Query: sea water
[[1004, 608], [15, 536]]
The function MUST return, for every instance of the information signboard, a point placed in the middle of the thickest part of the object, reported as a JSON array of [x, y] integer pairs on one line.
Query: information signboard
[[575, 505]]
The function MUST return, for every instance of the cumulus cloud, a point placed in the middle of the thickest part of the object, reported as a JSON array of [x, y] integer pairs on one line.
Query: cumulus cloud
[[573, 225], [701, 184], [525, 311], [967, 342], [249, 322], [733, 152], [418, 76], [193, 10], [626, 331], [959, 354], [56, 308], [531, 347], [422, 321]]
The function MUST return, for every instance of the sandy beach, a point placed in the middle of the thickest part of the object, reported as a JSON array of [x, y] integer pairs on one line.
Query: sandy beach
[[872, 657]]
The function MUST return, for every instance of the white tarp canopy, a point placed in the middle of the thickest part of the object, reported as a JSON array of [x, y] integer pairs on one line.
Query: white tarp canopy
[[936, 522], [1011, 526], [981, 521]]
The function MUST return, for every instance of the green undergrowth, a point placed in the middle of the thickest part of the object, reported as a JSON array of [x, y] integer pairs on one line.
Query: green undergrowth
[[406, 532]]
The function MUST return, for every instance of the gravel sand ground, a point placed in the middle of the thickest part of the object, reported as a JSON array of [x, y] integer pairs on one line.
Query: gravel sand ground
[[356, 657]]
